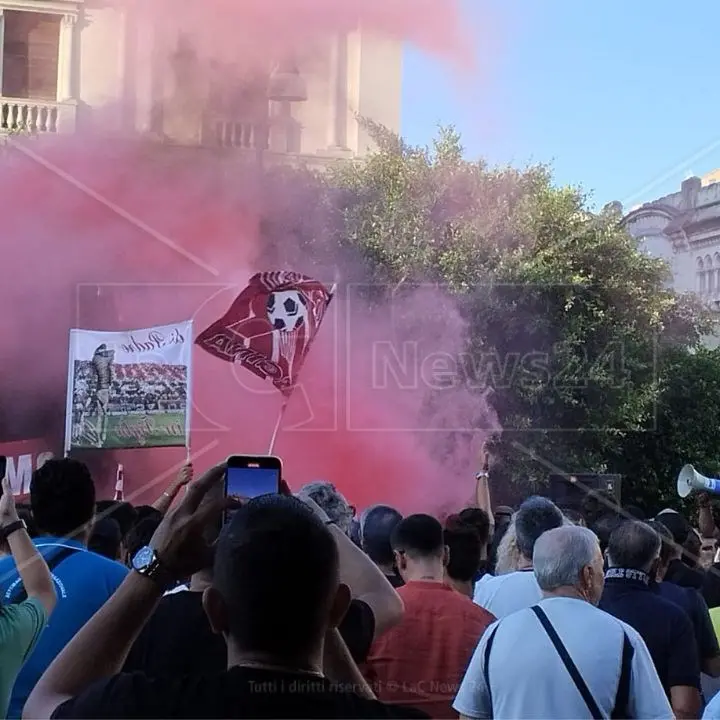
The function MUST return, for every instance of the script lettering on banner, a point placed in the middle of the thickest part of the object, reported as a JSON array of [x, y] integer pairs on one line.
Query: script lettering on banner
[[22, 458]]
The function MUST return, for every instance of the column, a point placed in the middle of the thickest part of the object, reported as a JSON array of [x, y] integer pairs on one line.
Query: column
[[2, 43], [144, 72], [66, 59], [338, 83]]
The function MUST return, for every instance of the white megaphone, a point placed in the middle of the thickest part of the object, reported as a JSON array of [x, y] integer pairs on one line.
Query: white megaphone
[[690, 479]]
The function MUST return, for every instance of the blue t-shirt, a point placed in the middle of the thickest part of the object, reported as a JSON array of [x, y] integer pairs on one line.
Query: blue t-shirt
[[83, 582]]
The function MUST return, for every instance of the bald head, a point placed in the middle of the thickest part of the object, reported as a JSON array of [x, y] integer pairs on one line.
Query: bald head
[[561, 554]]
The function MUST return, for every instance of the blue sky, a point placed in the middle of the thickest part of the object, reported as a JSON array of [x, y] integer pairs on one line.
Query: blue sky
[[621, 96]]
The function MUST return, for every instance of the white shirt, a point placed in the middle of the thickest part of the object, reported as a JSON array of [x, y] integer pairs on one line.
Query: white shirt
[[505, 594], [712, 710], [529, 680]]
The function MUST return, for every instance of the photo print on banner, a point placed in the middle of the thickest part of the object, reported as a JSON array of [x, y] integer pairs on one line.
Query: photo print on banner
[[129, 389]]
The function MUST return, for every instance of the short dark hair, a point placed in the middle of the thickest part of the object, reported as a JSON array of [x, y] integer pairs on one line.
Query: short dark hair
[[419, 536], [464, 545], [633, 544], [678, 526], [272, 543], [105, 538], [636, 512], [140, 536], [376, 526], [603, 527], [123, 513], [534, 517], [479, 520], [62, 496], [667, 547], [147, 511]]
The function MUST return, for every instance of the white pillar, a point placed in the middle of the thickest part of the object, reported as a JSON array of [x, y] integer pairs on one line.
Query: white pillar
[[144, 71], [66, 59], [338, 85]]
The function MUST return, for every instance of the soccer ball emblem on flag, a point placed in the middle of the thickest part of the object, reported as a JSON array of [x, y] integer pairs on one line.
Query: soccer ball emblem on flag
[[270, 326], [287, 310]]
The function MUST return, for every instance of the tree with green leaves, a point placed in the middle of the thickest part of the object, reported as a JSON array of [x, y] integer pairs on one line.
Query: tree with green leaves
[[572, 326]]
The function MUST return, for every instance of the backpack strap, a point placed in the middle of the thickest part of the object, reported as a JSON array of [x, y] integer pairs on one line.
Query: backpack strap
[[622, 698], [569, 664], [486, 667], [20, 594]]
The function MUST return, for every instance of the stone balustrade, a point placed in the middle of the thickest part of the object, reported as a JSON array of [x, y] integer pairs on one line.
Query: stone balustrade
[[36, 116]]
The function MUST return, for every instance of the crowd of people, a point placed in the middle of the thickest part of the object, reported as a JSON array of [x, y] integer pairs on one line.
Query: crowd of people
[[301, 607], [135, 388]]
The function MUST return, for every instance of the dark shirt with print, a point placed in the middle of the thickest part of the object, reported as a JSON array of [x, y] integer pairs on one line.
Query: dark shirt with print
[[177, 640], [665, 628], [236, 693]]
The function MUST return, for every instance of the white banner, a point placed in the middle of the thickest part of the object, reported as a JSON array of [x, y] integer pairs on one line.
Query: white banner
[[129, 389]]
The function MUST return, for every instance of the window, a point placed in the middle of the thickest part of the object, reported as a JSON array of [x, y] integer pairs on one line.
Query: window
[[30, 49], [709, 280], [700, 275]]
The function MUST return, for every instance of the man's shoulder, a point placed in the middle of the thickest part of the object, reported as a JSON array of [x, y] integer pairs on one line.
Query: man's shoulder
[[667, 606], [95, 568], [490, 584]]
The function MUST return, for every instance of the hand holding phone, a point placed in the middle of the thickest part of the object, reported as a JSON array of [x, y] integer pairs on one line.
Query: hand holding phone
[[249, 476]]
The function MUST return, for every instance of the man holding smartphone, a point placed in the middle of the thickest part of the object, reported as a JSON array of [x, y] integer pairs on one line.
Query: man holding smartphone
[[21, 624]]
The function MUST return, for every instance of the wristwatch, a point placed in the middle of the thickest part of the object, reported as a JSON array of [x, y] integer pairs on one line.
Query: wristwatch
[[8, 530], [147, 564]]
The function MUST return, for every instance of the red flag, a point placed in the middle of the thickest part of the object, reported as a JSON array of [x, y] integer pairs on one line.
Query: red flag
[[270, 326]]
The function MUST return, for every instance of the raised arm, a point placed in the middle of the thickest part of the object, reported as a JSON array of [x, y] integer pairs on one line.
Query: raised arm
[[165, 501], [364, 578], [482, 488], [31, 565]]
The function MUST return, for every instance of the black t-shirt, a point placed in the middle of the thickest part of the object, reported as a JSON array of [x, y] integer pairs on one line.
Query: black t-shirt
[[685, 576], [177, 639], [711, 586], [663, 625], [696, 609], [236, 693]]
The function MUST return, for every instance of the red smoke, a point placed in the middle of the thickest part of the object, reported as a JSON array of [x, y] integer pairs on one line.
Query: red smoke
[[109, 234]]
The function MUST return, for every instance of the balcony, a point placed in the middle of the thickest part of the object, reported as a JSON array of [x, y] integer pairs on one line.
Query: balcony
[[36, 116], [228, 132]]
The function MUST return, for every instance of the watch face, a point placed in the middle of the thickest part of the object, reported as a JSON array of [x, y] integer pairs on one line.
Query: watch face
[[143, 558]]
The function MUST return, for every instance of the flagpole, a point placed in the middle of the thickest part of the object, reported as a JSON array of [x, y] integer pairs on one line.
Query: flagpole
[[286, 400], [278, 423]]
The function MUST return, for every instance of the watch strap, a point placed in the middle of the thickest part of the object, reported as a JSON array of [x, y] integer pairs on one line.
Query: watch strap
[[158, 572], [9, 529]]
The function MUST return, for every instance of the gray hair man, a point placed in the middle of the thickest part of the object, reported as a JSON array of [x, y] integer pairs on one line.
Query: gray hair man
[[513, 591], [633, 557], [331, 500], [564, 652]]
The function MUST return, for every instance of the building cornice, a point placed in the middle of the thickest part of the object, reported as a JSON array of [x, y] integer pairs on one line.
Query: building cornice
[[651, 210], [54, 7], [696, 228]]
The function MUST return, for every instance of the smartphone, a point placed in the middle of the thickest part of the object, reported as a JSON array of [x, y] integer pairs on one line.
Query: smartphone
[[249, 476]]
